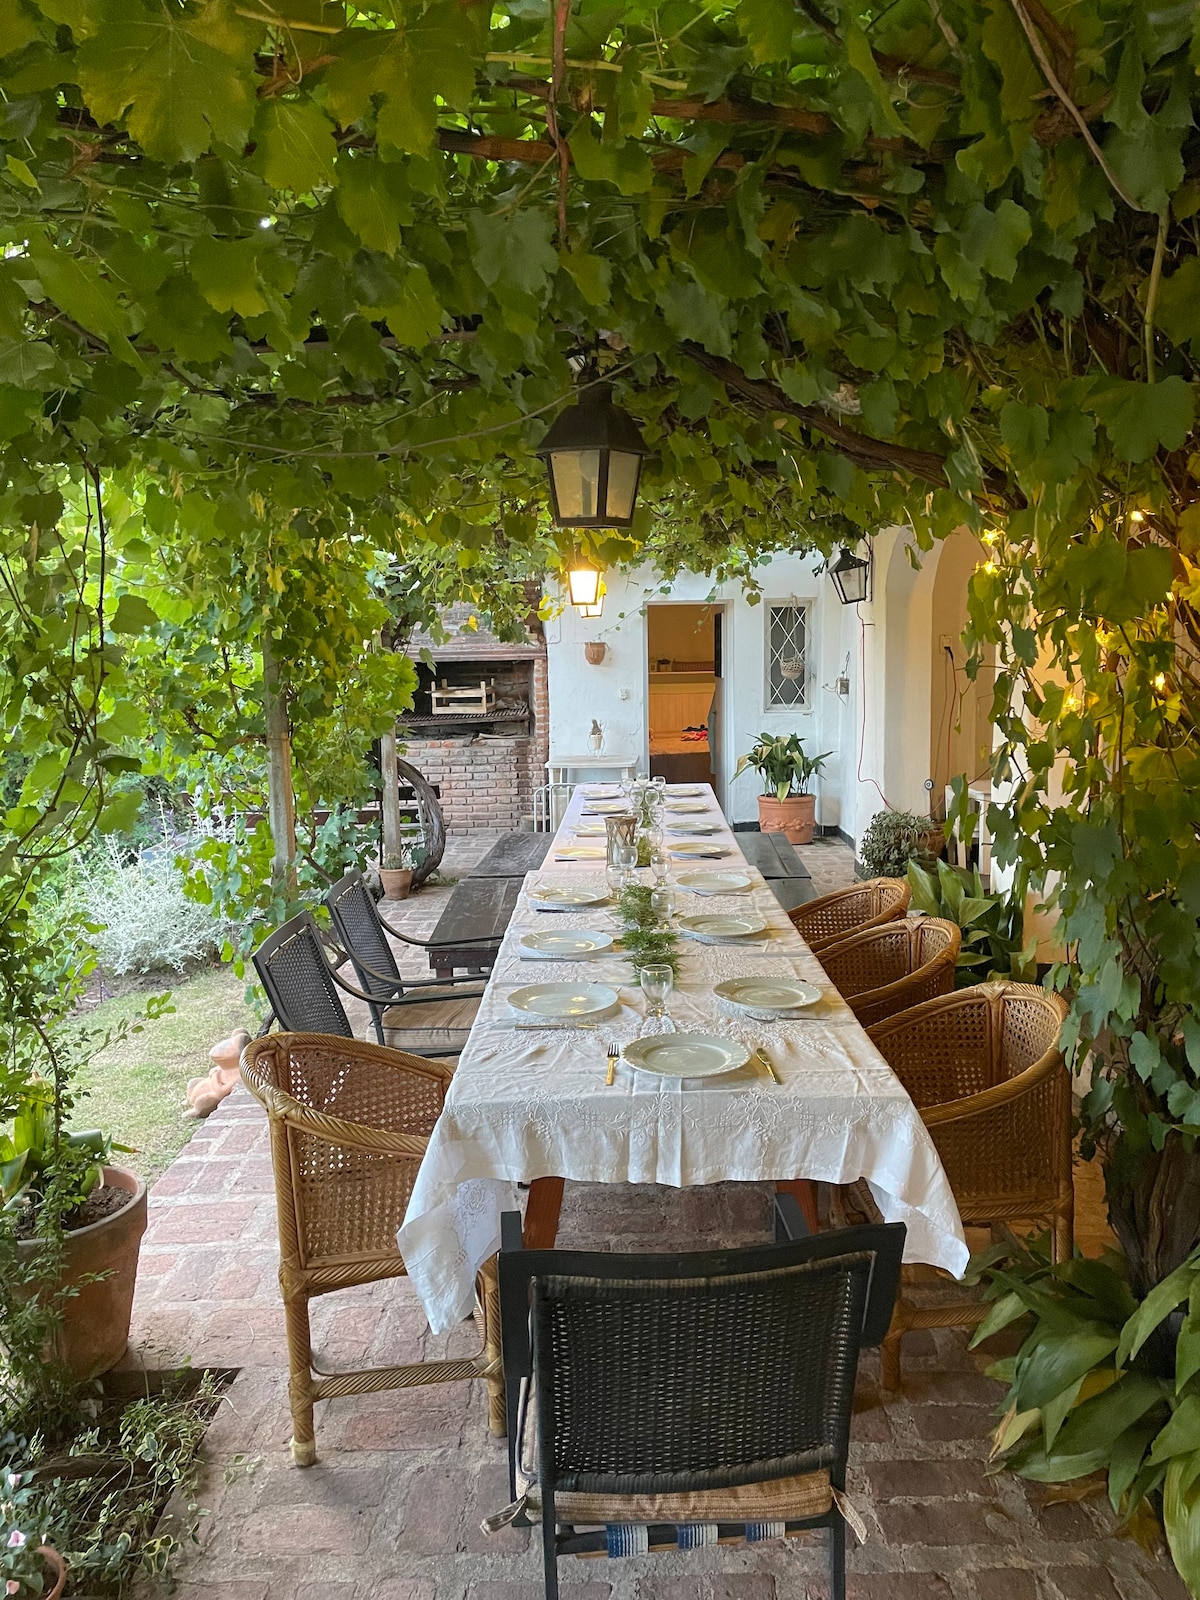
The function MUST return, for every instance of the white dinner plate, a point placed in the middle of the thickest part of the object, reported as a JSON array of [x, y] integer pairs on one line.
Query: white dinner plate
[[693, 827], [684, 791], [579, 852], [714, 882], [590, 830], [686, 1055], [563, 897], [601, 791], [564, 999], [692, 807], [694, 849], [572, 944], [604, 808], [715, 926], [757, 995]]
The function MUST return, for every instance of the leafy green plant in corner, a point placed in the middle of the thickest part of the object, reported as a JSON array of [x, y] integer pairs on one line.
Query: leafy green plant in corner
[[782, 766], [993, 924], [1103, 1383], [893, 839]]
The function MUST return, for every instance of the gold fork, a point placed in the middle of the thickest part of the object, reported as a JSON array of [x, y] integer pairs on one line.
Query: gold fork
[[613, 1057]]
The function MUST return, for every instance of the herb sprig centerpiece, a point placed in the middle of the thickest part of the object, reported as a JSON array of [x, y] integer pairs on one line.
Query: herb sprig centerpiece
[[646, 939]]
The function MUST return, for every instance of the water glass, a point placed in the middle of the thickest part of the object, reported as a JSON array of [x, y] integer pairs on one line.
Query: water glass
[[660, 864], [657, 980], [662, 902], [625, 856], [615, 876]]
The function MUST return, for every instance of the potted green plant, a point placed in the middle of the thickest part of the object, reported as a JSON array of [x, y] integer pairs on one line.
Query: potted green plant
[[78, 1221], [893, 839], [396, 872], [786, 804]]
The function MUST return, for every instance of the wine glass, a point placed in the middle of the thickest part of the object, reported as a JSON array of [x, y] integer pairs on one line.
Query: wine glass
[[625, 856], [615, 876], [662, 901], [658, 979], [660, 864]]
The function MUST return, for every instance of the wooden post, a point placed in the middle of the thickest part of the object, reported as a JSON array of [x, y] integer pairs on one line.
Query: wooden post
[[390, 794], [281, 799]]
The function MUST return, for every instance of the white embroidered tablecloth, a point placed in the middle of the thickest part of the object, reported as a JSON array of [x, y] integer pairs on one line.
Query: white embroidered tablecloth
[[529, 1104]]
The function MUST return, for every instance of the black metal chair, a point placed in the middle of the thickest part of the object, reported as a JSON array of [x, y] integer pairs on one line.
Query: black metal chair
[[364, 933], [305, 991], [676, 1400]]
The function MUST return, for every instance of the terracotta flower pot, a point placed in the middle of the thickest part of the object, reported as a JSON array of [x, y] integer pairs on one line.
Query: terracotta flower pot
[[95, 1322], [794, 817], [57, 1574], [396, 881]]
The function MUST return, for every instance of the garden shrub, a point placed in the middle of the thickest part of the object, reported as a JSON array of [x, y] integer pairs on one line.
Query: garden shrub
[[146, 921]]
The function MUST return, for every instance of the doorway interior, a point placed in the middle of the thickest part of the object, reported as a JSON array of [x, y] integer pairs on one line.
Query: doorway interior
[[684, 670]]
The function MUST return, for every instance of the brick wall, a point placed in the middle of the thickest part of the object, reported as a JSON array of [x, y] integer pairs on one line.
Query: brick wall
[[483, 781]]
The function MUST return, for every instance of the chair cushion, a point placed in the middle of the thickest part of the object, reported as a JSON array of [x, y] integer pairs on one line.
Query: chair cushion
[[807, 1494], [428, 1024]]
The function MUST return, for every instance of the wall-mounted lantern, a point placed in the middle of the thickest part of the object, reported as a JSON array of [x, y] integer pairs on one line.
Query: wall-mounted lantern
[[851, 577], [594, 455]]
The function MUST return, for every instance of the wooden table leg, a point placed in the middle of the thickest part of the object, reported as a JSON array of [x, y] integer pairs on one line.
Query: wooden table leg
[[541, 1213], [804, 1192]]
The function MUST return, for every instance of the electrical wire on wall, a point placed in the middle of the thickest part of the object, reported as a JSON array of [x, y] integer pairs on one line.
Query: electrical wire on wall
[[862, 732]]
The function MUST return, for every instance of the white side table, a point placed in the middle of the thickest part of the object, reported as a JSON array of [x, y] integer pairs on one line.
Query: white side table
[[980, 797], [563, 772]]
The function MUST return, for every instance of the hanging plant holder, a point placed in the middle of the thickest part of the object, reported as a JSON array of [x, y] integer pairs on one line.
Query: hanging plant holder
[[791, 668]]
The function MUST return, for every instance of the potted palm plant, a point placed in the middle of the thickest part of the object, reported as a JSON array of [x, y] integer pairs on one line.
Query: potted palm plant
[[786, 804]]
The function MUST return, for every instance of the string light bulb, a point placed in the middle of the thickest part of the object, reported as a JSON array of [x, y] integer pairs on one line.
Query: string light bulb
[[1160, 681]]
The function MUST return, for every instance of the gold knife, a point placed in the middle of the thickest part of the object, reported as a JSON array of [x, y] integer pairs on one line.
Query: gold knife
[[766, 1061]]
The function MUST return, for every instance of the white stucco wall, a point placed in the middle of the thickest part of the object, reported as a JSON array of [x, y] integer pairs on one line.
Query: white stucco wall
[[879, 741]]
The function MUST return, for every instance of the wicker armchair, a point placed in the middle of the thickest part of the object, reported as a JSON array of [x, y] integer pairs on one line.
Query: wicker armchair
[[824, 921], [983, 1066], [667, 1401], [885, 970], [349, 1125]]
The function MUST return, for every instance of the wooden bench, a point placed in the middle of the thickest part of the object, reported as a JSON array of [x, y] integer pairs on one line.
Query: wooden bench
[[514, 855], [469, 930], [775, 857]]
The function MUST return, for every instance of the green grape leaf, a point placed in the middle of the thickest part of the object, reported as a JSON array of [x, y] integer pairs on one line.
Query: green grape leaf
[[226, 271], [513, 252], [295, 148], [767, 27], [1141, 417], [180, 81], [374, 199]]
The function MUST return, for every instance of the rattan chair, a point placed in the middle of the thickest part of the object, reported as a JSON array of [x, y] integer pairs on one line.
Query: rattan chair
[[363, 935], [824, 921], [984, 1068], [885, 970], [305, 994], [681, 1399], [349, 1124]]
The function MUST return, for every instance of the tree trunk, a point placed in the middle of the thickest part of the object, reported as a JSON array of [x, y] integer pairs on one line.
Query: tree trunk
[[390, 795], [281, 800], [1154, 1206]]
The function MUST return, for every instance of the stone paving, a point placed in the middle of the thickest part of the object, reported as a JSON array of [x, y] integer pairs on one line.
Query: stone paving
[[392, 1509]]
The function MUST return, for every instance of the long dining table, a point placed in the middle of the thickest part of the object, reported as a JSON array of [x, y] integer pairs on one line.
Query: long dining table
[[531, 1104]]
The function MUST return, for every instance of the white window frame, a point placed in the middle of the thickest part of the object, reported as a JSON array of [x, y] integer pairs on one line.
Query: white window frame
[[770, 607]]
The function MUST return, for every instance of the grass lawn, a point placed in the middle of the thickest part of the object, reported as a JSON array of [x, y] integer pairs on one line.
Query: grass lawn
[[137, 1090]]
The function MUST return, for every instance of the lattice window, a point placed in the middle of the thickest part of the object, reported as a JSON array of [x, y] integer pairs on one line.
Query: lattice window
[[787, 656]]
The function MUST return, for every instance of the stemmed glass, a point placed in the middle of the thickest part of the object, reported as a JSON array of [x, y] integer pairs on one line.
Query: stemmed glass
[[615, 876], [625, 857], [662, 901], [660, 864], [657, 980]]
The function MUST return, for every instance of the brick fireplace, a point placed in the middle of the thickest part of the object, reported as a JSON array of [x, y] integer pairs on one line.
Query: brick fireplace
[[484, 764]]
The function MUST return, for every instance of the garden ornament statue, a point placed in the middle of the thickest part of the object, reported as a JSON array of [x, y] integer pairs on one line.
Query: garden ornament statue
[[205, 1094]]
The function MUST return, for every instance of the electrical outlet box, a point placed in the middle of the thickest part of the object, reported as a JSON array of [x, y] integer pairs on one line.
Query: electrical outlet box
[[946, 642], [842, 686]]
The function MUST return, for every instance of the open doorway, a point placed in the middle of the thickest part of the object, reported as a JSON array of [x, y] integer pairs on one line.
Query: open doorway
[[683, 650]]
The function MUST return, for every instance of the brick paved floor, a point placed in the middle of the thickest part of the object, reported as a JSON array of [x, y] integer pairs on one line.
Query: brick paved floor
[[391, 1511]]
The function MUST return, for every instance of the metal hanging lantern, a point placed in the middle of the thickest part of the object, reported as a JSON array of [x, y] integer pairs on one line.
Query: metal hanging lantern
[[594, 456], [852, 577], [583, 583], [596, 609]]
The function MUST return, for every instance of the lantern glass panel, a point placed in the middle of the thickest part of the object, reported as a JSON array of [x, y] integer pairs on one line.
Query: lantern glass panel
[[576, 483], [623, 469], [583, 585]]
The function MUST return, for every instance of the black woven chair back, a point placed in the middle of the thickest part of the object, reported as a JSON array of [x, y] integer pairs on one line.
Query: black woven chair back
[[293, 970], [659, 1374], [360, 933]]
